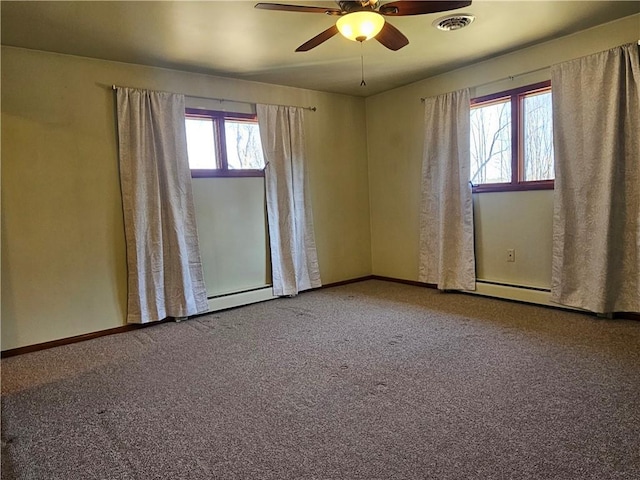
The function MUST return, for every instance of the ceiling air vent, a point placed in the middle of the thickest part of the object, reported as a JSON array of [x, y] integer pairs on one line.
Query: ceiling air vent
[[453, 22]]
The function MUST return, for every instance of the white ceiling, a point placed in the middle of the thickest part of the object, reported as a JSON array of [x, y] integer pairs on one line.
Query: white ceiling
[[232, 38]]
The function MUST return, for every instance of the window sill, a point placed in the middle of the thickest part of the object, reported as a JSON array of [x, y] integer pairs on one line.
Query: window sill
[[513, 187], [226, 173]]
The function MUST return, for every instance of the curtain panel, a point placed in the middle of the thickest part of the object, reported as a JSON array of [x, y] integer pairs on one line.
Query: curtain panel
[[294, 261], [163, 259], [596, 225], [447, 255]]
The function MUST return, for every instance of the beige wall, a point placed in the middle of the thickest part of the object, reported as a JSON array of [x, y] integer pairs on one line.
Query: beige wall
[[500, 225], [519, 220], [63, 255], [232, 231]]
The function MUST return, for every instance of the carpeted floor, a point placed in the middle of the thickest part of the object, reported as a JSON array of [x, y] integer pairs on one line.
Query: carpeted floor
[[372, 380]]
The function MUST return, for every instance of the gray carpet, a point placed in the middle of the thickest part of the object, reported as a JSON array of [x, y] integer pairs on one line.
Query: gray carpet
[[372, 380]]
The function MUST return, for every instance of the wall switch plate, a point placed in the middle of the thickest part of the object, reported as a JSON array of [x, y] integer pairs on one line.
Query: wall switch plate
[[511, 255]]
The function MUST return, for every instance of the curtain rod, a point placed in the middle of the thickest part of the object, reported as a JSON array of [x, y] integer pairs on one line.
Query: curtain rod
[[510, 77], [221, 100]]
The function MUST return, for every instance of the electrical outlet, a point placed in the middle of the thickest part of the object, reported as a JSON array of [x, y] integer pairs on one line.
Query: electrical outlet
[[511, 255]]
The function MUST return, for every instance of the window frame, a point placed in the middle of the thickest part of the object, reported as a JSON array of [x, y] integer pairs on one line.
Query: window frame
[[218, 118], [516, 96]]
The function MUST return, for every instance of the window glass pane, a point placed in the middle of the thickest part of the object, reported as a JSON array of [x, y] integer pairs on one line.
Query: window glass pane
[[491, 143], [244, 149], [537, 137], [201, 143]]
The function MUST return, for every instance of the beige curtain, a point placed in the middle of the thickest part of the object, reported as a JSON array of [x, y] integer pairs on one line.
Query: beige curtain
[[446, 219], [163, 260], [596, 230], [294, 261]]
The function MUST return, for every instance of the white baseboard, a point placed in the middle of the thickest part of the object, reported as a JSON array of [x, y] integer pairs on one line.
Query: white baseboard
[[239, 299]]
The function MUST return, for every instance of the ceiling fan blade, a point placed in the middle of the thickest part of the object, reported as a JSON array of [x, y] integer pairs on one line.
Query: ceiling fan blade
[[391, 37], [417, 7], [318, 39], [297, 8]]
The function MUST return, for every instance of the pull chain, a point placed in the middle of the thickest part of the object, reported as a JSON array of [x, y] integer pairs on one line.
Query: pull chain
[[362, 83]]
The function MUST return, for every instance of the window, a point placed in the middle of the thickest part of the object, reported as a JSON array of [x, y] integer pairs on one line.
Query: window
[[223, 144], [512, 140]]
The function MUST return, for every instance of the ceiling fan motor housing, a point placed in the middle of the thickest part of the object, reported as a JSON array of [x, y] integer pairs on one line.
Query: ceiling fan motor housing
[[355, 6]]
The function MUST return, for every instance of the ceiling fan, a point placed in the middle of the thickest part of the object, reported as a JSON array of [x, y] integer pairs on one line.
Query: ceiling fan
[[364, 19]]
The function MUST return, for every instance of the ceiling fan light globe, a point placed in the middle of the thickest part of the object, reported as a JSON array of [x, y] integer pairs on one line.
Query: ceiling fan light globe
[[357, 25]]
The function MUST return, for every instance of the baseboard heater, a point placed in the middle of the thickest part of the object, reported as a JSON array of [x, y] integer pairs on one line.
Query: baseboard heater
[[238, 299], [521, 293]]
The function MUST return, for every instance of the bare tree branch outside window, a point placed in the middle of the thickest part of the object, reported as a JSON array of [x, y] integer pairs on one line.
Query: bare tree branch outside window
[[538, 137], [244, 150], [491, 143], [511, 140]]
